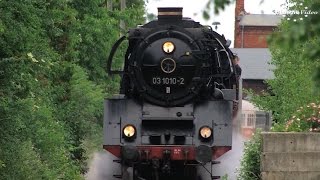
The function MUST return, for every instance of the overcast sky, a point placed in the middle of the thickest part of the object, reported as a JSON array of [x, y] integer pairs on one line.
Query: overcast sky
[[193, 9]]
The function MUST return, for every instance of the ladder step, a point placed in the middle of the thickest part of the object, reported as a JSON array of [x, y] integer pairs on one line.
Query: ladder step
[[117, 176], [215, 177], [215, 162]]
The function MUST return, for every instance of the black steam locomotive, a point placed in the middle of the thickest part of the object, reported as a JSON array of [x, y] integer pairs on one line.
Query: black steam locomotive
[[174, 110]]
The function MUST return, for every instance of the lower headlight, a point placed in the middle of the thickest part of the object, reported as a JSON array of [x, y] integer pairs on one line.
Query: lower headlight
[[129, 131], [203, 154], [129, 153], [205, 132]]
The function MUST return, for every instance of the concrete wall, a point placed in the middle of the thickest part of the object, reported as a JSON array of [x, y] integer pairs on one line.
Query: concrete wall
[[290, 156]]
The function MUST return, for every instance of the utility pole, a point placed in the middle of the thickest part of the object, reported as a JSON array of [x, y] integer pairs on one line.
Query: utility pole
[[122, 24], [109, 5]]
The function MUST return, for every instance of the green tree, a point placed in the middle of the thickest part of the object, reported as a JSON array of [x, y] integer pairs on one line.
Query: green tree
[[97, 29], [33, 143], [293, 85], [52, 83], [304, 30], [81, 111], [217, 5]]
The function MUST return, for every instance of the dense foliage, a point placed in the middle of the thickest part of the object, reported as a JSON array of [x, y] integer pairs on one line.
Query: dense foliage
[[293, 85], [304, 30], [250, 162], [52, 83]]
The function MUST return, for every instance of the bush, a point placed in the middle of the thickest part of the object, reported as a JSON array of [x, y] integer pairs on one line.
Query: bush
[[306, 118], [250, 162]]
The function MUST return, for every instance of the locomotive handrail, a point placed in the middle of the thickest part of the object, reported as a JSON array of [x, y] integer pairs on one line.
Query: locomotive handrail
[[228, 59], [110, 58], [218, 59]]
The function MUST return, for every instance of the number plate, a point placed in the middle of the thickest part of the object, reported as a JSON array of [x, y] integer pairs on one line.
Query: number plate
[[167, 81]]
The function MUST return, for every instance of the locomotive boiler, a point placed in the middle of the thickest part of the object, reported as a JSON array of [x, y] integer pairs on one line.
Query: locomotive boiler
[[174, 110]]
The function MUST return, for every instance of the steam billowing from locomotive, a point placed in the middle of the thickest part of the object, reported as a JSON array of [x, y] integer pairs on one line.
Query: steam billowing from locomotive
[[175, 106]]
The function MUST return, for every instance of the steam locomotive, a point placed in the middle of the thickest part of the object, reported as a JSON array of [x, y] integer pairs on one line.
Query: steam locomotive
[[174, 111]]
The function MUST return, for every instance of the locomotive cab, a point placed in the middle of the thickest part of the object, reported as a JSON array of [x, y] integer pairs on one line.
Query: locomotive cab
[[174, 111]]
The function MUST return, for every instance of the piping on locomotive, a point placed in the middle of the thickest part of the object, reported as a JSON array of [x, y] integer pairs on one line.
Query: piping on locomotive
[[174, 110]]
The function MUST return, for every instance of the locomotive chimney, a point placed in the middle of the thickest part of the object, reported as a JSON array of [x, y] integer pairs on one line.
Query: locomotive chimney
[[170, 14]]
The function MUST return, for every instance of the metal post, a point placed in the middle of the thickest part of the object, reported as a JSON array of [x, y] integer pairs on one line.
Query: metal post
[[122, 24], [242, 40], [109, 5]]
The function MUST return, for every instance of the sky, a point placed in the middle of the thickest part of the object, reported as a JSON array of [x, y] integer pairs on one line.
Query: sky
[[193, 9]]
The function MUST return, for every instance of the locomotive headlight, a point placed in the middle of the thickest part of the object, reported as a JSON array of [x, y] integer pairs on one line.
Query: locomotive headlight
[[168, 47], [129, 131], [205, 132]]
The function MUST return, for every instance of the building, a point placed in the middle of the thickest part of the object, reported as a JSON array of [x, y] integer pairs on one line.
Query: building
[[256, 68], [252, 118], [252, 30], [250, 44]]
